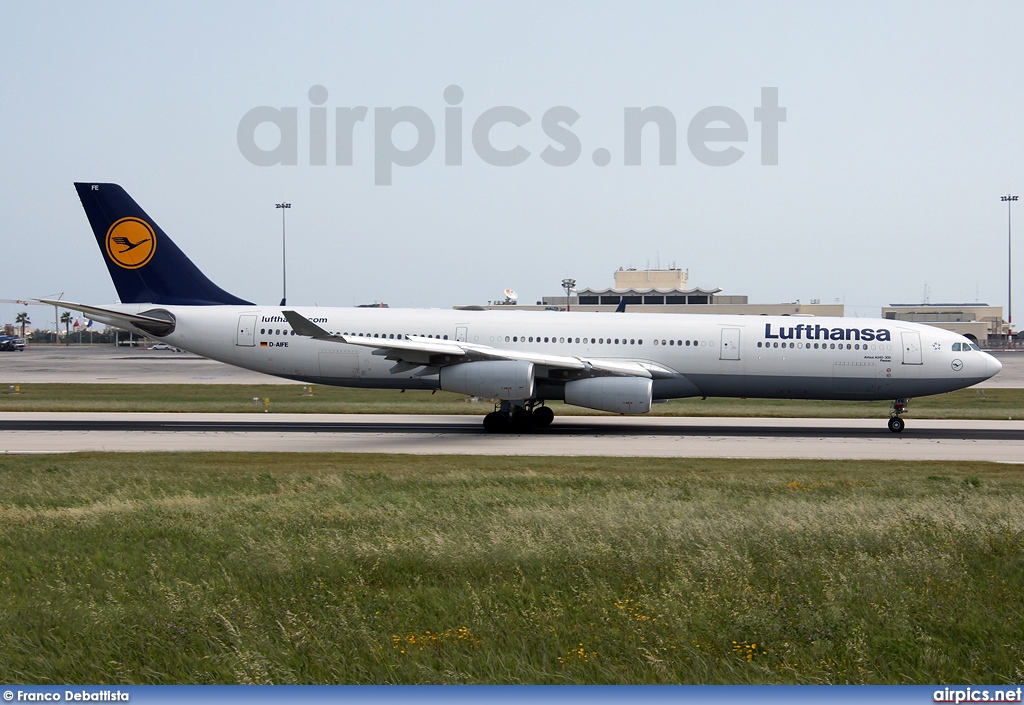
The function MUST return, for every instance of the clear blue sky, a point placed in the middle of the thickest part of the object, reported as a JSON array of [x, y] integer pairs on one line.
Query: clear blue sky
[[903, 129]]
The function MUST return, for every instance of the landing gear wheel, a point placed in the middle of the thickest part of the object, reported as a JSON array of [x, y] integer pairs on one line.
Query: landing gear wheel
[[543, 416], [522, 420], [896, 424], [495, 422]]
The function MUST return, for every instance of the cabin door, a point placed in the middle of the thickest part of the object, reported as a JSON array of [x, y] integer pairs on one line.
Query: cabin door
[[911, 348], [730, 349], [246, 331]]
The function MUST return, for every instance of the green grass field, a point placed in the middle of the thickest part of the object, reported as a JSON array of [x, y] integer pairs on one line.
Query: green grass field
[[259, 568], [969, 403]]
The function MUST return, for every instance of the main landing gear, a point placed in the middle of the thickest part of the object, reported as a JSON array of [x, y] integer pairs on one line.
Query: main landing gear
[[896, 424], [518, 417]]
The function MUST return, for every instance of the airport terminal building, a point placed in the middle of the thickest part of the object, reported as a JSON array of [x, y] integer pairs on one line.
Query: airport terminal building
[[980, 322], [663, 291], [668, 291]]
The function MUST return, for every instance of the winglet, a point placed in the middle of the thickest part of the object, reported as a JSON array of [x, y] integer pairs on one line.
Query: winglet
[[303, 326]]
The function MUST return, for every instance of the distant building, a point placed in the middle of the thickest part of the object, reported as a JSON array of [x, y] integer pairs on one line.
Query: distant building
[[980, 322], [648, 287], [665, 291]]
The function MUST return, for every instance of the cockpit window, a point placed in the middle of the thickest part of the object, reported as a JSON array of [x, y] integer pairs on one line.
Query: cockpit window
[[975, 347], [956, 347]]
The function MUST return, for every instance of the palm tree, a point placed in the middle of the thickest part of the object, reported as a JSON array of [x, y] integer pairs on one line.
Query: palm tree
[[65, 318], [23, 319]]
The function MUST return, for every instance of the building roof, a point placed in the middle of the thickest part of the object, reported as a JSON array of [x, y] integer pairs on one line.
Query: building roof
[[611, 290], [936, 305]]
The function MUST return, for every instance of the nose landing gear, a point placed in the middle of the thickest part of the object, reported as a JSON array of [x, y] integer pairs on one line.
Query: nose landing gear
[[896, 424]]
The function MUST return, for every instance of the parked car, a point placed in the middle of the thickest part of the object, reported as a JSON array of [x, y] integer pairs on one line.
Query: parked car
[[10, 343]]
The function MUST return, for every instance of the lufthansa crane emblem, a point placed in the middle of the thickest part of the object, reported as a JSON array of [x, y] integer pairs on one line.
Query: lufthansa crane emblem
[[131, 243]]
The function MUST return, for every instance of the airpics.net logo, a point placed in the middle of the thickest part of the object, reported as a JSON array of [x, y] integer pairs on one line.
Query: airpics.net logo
[[712, 134]]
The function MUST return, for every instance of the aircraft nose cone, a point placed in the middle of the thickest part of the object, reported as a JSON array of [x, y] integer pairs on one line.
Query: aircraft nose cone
[[992, 365]]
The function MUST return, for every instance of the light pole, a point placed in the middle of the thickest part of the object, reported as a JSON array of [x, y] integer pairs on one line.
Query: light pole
[[284, 260], [1009, 268], [568, 285]]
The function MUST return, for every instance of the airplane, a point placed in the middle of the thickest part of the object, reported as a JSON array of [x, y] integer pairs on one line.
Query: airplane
[[617, 362]]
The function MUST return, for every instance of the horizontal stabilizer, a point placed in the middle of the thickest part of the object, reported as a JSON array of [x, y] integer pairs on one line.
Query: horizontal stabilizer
[[157, 323]]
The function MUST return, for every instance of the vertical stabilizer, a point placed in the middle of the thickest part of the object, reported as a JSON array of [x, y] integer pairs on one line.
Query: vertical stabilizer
[[145, 264]]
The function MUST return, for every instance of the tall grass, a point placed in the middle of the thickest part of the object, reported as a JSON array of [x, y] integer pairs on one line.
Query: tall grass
[[260, 568]]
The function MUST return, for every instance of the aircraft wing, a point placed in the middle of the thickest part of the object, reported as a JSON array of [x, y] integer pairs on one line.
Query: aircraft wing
[[413, 351]]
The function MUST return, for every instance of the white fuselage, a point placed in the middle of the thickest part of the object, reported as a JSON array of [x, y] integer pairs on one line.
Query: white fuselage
[[707, 355]]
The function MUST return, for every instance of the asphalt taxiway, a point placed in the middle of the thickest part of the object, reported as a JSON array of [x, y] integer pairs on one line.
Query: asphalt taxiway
[[831, 439], [1001, 441]]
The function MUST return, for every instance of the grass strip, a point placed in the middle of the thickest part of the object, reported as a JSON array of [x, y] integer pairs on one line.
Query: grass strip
[[279, 568], [995, 403]]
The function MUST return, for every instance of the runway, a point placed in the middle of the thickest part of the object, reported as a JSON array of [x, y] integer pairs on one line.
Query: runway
[[833, 439], [1000, 441]]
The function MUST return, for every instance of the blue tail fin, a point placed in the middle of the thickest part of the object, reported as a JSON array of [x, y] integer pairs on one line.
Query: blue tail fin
[[146, 266]]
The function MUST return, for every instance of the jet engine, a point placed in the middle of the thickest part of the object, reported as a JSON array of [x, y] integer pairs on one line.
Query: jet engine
[[512, 379], [621, 395]]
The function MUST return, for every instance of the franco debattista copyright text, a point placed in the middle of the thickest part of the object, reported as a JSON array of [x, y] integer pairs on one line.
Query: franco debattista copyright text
[[70, 696]]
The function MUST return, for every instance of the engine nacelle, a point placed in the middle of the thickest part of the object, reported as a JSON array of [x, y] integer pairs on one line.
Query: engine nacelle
[[512, 379], [621, 395]]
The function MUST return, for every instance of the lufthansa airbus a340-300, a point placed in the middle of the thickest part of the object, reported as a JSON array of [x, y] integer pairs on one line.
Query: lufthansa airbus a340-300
[[617, 362]]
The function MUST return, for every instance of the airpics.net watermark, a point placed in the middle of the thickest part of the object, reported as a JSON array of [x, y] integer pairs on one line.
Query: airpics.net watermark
[[711, 134]]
